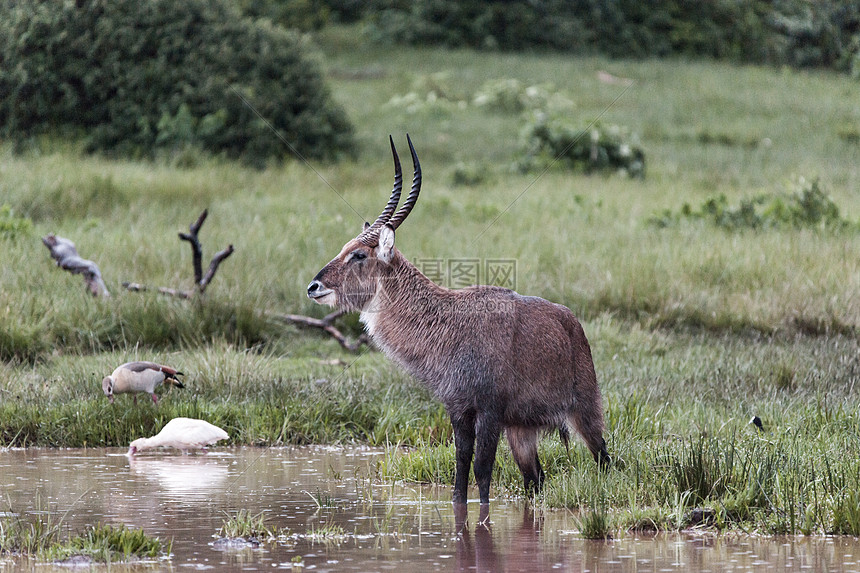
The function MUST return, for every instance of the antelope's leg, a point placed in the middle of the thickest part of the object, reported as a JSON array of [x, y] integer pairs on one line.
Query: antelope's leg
[[488, 430], [464, 442]]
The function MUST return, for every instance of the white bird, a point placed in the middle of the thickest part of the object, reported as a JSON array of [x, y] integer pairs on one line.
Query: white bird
[[133, 377], [181, 433]]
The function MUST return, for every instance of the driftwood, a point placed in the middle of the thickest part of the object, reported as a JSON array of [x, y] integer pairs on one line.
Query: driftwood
[[326, 324], [64, 252], [201, 281]]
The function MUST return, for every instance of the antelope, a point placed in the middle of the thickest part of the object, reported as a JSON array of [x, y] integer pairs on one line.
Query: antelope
[[496, 359]]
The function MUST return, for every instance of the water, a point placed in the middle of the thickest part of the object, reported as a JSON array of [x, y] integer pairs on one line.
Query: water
[[341, 520]]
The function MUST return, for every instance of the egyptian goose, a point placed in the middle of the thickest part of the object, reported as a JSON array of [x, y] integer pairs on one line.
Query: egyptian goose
[[181, 433], [134, 377]]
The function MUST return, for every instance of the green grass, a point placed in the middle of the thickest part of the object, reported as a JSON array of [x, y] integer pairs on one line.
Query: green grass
[[678, 409], [258, 399], [107, 543], [247, 525], [21, 536], [45, 539], [695, 327]]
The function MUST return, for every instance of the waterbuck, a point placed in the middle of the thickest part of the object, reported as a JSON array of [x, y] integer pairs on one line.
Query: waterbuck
[[496, 359]]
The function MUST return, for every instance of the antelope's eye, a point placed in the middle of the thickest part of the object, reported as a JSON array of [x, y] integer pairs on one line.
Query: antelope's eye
[[358, 255]]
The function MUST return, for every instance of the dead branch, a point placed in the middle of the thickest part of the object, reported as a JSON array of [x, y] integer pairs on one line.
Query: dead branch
[[200, 281], [64, 252], [325, 324], [137, 287], [213, 266], [196, 251]]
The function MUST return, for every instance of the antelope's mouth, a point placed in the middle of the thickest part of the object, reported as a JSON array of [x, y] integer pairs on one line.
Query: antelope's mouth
[[320, 296], [320, 293]]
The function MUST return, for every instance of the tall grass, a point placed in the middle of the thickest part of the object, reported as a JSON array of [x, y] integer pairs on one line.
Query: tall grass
[[582, 241], [678, 410]]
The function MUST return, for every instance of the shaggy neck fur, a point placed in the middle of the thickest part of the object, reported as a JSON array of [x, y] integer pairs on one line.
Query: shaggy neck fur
[[429, 329]]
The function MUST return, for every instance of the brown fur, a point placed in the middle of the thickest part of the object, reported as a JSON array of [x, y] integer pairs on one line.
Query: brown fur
[[496, 359]]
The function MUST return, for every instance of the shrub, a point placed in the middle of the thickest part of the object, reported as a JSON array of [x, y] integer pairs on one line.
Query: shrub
[[136, 77], [807, 207], [508, 95], [790, 32], [548, 142], [469, 174], [303, 15], [13, 227]]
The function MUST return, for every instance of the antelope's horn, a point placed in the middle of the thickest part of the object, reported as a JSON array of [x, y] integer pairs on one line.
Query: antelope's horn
[[370, 233], [404, 211]]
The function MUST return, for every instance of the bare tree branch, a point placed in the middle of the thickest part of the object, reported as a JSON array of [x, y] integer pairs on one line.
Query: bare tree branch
[[213, 266], [64, 252], [137, 287], [325, 324], [196, 251], [200, 281]]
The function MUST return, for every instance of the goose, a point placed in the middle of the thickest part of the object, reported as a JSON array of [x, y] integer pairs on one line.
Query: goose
[[182, 433], [134, 377]]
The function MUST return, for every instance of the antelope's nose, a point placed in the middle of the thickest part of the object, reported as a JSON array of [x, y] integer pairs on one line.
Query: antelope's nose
[[314, 288]]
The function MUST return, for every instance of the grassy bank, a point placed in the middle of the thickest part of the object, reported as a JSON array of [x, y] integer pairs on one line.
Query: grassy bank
[[695, 327], [47, 540]]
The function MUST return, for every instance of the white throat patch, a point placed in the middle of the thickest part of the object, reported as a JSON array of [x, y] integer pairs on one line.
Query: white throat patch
[[370, 313]]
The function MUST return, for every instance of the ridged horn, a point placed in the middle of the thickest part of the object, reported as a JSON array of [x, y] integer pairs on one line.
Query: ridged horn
[[371, 233], [407, 206]]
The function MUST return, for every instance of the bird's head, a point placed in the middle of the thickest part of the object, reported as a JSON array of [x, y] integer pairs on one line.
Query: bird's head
[[136, 446], [107, 387]]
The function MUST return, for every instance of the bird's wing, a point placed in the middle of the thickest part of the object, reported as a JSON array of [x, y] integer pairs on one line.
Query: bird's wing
[[141, 366], [203, 433]]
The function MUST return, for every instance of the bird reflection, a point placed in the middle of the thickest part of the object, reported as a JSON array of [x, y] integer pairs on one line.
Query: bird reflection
[[186, 476]]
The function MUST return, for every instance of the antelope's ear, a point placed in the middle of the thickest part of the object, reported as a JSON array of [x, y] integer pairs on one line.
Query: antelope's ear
[[366, 225], [385, 249]]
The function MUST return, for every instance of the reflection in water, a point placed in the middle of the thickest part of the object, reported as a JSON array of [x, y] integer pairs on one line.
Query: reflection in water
[[182, 476], [478, 553], [340, 519]]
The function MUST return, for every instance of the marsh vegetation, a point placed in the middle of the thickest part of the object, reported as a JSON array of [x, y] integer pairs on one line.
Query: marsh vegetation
[[695, 326]]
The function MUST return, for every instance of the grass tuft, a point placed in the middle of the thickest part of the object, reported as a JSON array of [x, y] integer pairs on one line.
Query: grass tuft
[[43, 538], [246, 525]]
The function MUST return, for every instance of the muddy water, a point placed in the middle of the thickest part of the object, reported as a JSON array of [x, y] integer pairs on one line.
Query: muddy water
[[340, 520]]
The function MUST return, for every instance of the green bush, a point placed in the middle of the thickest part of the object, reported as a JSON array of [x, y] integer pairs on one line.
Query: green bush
[[509, 95], [791, 32], [142, 78], [808, 207], [306, 15], [13, 227], [549, 142]]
